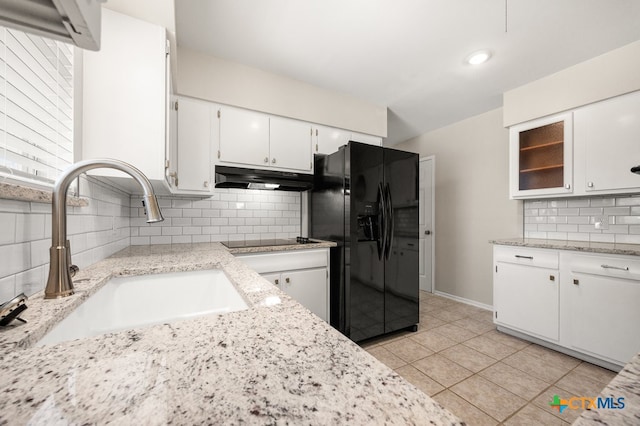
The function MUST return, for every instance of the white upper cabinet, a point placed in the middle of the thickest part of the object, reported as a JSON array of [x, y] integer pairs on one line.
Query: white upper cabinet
[[369, 139], [249, 138], [541, 157], [607, 143], [327, 140], [197, 130], [244, 137], [587, 151], [289, 144], [125, 96]]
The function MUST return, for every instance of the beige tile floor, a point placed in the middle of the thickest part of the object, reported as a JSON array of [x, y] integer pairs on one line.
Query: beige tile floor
[[484, 376]]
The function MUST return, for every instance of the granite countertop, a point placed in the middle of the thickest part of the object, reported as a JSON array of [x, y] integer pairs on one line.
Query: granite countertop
[[625, 385], [317, 244], [273, 363], [586, 246]]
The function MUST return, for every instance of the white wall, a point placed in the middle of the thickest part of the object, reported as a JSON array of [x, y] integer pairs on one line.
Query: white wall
[[611, 74], [472, 202], [210, 78]]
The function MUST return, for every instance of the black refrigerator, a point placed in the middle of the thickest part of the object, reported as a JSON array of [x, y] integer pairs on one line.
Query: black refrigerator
[[365, 198]]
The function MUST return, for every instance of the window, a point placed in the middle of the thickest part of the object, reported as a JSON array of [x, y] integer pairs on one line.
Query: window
[[36, 106]]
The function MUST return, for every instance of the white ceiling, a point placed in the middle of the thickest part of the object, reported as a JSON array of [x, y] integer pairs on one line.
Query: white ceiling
[[408, 55]]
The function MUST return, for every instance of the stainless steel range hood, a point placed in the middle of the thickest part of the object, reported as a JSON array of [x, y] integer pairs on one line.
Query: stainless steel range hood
[[239, 177], [72, 21]]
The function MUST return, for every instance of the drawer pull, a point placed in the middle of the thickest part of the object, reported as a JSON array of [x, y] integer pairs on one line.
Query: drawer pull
[[626, 268], [524, 257], [552, 278], [576, 282]]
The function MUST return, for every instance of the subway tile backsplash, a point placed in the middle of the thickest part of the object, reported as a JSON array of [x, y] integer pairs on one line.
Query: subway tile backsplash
[[114, 220], [575, 219], [228, 215], [95, 232]]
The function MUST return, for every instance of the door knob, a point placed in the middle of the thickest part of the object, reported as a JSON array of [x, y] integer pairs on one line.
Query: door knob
[[427, 232]]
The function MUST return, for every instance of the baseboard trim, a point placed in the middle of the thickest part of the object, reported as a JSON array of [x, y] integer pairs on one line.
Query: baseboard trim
[[585, 357], [463, 300]]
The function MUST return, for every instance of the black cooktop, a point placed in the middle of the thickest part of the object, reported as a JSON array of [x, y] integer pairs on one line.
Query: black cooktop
[[269, 242]]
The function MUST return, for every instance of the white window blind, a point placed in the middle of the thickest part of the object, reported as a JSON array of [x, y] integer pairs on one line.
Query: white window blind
[[36, 106]]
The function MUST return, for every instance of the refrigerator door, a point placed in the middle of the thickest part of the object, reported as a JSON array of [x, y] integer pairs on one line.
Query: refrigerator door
[[328, 210], [401, 305], [365, 282]]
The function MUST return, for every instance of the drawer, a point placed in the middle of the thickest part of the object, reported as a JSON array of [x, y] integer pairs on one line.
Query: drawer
[[541, 258], [607, 266], [285, 260]]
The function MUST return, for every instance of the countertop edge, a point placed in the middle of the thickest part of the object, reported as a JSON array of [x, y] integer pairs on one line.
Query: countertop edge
[[582, 246]]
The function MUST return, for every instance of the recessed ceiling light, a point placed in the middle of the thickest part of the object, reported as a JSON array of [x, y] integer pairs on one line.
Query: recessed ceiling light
[[479, 57]]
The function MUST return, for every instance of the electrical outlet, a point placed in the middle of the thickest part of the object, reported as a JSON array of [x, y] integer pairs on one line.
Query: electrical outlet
[[601, 222]]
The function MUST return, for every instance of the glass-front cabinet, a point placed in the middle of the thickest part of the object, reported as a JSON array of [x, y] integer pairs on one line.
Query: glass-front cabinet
[[541, 153]]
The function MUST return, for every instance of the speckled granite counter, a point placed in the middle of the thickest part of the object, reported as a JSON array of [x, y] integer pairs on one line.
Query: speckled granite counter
[[586, 246], [627, 385], [274, 363]]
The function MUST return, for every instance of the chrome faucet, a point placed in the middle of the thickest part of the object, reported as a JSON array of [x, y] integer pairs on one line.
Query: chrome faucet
[[61, 270]]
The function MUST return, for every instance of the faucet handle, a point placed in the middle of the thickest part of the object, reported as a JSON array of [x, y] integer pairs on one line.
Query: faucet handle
[[73, 270]]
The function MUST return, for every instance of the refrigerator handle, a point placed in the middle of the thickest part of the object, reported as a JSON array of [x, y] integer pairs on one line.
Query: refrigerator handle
[[390, 222], [382, 226]]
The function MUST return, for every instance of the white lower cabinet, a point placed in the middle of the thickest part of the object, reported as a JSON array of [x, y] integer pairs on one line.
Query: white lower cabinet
[[525, 291], [302, 274], [600, 305], [586, 303]]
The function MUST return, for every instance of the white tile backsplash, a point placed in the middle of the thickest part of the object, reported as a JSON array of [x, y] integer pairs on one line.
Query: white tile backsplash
[[229, 215], [95, 232], [114, 220], [574, 219]]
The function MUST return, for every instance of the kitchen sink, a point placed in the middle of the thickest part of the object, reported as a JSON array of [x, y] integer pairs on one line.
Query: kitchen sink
[[131, 302]]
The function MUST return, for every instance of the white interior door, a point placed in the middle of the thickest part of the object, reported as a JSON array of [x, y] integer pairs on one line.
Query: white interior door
[[427, 170]]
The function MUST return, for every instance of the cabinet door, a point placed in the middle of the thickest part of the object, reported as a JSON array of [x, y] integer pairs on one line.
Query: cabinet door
[[171, 153], [328, 140], [194, 145], [310, 288], [124, 96], [541, 157], [368, 139], [525, 298], [600, 298], [244, 137], [273, 278], [608, 132], [289, 144]]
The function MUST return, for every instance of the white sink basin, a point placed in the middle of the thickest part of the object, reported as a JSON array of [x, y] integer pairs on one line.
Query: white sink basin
[[133, 302]]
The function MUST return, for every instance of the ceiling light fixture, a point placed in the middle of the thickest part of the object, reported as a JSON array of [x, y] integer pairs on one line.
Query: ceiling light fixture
[[479, 57]]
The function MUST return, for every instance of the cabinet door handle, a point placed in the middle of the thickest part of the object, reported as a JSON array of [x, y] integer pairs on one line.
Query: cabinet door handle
[[552, 278], [576, 281], [266, 159], [277, 281], [567, 186], [626, 268], [273, 161], [524, 257], [590, 184], [287, 280]]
